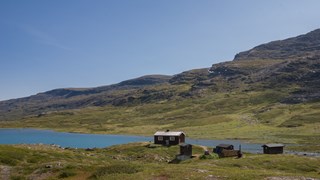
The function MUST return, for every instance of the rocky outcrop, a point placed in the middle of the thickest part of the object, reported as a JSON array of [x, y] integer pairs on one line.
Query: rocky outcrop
[[146, 80], [307, 45], [192, 76]]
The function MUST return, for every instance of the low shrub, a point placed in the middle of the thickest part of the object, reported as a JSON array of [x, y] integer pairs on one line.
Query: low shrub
[[66, 174], [210, 156], [8, 161]]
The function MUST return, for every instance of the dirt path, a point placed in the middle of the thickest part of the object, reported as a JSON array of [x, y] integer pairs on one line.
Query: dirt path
[[5, 172], [205, 148]]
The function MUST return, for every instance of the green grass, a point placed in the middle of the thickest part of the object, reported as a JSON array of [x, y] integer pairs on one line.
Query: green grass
[[145, 161], [255, 116]]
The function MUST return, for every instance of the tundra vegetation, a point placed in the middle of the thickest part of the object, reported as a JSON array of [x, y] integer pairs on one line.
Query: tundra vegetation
[[142, 161]]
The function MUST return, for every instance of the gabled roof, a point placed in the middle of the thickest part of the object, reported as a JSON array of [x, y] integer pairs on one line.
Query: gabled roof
[[184, 144], [273, 145], [168, 133], [225, 145]]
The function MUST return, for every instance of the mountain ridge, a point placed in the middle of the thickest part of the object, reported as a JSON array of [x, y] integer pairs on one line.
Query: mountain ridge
[[306, 45], [291, 64]]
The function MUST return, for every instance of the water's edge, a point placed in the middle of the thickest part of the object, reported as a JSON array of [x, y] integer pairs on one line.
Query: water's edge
[[84, 140]]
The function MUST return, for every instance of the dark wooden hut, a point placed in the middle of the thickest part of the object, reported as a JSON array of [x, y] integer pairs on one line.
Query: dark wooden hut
[[186, 149], [273, 148], [185, 152], [227, 150], [169, 137], [221, 147], [230, 153]]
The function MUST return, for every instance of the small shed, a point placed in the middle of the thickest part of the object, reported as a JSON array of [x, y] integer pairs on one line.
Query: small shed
[[185, 152], [221, 147], [273, 148], [169, 137], [186, 149]]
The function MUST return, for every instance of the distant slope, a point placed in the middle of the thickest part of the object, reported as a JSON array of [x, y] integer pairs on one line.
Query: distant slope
[[279, 72], [73, 98]]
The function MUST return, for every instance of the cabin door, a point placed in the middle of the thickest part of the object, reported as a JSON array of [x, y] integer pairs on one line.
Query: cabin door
[[167, 142]]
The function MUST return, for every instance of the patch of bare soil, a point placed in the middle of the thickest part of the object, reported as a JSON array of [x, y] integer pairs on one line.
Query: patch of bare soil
[[5, 172], [41, 176], [289, 178], [162, 177]]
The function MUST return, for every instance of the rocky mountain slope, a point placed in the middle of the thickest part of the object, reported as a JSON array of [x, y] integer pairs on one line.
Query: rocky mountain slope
[[303, 46], [291, 66], [75, 98]]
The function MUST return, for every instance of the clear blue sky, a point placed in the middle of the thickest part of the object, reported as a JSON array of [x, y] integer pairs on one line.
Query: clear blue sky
[[47, 44]]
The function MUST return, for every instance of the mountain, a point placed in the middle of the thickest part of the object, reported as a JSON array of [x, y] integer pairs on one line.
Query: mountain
[[293, 62], [74, 98], [304, 46], [274, 86]]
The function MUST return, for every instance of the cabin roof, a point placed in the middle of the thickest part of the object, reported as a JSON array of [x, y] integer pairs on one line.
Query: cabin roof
[[168, 133], [273, 145], [185, 144], [224, 145]]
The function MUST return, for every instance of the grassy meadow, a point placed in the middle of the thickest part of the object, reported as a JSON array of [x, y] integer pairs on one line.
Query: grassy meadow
[[145, 161]]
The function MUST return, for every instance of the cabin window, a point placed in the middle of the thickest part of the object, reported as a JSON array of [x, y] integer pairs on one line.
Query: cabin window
[[160, 138], [172, 138]]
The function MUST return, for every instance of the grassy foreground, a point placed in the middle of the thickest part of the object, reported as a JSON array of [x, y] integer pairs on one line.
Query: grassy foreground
[[139, 161]]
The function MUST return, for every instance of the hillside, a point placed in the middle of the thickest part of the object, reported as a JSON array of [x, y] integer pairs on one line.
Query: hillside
[[74, 98], [269, 93]]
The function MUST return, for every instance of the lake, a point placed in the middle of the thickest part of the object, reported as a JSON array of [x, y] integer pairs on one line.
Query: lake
[[79, 140]]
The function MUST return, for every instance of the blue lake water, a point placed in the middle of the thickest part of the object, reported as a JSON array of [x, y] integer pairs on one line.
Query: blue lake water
[[78, 140]]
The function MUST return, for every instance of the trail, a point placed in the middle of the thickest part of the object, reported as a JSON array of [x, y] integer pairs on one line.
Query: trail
[[205, 148]]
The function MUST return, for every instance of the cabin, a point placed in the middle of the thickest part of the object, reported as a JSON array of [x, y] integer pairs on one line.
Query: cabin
[[273, 148], [221, 147], [227, 150], [230, 153], [169, 137], [186, 149]]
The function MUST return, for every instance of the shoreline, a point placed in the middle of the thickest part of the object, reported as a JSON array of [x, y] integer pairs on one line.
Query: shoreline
[[248, 147]]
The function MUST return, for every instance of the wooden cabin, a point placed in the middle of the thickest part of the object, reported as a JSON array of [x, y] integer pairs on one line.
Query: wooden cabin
[[273, 148], [169, 137], [221, 147], [230, 153], [227, 150]]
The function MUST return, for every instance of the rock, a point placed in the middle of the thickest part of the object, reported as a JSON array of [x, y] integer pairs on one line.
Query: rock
[[300, 46], [48, 166], [89, 149]]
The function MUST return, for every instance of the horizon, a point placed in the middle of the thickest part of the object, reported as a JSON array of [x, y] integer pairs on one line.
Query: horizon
[[78, 44]]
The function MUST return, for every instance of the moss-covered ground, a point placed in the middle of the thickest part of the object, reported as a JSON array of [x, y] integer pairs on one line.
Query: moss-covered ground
[[145, 161]]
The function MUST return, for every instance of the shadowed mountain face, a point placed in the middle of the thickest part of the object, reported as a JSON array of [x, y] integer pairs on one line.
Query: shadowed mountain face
[[75, 98], [291, 66]]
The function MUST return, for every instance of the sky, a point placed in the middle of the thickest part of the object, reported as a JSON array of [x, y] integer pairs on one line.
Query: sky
[[46, 45]]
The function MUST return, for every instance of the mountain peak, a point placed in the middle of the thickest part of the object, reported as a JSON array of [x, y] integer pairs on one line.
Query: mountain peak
[[297, 47]]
